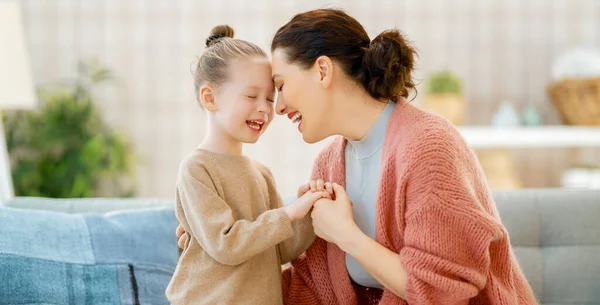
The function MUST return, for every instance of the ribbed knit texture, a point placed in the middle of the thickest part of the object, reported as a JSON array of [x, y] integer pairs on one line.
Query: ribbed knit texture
[[435, 209], [238, 233]]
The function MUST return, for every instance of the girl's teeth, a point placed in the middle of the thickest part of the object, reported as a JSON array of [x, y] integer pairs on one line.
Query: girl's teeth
[[254, 125]]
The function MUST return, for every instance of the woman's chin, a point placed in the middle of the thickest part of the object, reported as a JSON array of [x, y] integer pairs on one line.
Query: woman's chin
[[311, 138]]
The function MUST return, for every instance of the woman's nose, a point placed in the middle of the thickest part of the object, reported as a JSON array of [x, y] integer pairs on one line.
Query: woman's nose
[[280, 107]]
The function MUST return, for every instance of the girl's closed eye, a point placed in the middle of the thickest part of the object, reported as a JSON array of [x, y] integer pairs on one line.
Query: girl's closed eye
[[280, 88]]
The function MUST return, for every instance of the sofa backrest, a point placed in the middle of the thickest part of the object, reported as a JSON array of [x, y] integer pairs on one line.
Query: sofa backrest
[[555, 234], [87, 205]]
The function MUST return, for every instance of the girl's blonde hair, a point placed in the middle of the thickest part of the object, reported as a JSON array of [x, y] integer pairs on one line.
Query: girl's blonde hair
[[221, 49]]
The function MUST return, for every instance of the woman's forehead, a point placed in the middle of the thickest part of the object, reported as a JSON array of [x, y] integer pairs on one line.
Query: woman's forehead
[[278, 61]]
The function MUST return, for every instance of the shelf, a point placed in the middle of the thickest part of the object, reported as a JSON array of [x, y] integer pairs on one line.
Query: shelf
[[531, 137]]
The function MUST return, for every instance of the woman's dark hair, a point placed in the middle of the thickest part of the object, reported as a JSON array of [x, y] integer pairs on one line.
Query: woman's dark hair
[[383, 66]]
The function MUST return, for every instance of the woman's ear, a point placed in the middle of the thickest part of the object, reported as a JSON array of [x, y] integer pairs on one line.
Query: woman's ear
[[207, 98], [324, 65]]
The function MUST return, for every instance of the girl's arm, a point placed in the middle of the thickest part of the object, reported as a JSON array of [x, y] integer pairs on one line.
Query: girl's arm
[[304, 234], [211, 222]]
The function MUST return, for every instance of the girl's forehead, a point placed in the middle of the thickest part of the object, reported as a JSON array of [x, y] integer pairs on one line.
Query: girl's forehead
[[251, 75]]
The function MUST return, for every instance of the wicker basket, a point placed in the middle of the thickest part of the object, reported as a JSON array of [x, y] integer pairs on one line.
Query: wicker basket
[[577, 100], [448, 105]]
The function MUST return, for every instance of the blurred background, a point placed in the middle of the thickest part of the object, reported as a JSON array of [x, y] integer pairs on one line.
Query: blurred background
[[519, 78]]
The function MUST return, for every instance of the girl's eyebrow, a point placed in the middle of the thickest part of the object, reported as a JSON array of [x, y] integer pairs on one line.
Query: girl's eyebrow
[[254, 88]]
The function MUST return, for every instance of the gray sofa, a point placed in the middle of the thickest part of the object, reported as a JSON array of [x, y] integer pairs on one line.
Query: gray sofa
[[556, 238], [555, 234]]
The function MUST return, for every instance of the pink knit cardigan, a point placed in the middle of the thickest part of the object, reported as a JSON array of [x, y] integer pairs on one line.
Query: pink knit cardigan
[[434, 209]]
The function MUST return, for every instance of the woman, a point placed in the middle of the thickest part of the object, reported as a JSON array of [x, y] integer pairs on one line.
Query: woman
[[418, 224]]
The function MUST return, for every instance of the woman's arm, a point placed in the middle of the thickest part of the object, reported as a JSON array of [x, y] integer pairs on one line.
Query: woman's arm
[[387, 268], [333, 222], [445, 257]]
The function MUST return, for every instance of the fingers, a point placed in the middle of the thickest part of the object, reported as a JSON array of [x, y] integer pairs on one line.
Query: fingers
[[303, 189], [179, 231], [317, 185], [310, 196], [182, 240], [313, 185], [329, 187], [339, 191], [320, 185], [318, 205]]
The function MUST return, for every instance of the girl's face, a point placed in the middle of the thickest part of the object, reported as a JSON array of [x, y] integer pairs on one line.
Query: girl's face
[[301, 97], [245, 103]]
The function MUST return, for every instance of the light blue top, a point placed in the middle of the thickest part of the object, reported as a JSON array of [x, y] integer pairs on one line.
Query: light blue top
[[363, 171]]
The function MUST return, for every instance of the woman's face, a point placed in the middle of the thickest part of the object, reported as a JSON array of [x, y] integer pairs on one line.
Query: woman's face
[[301, 97]]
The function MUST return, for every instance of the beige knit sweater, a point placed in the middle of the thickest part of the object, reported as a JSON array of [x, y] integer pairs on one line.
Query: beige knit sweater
[[239, 234]]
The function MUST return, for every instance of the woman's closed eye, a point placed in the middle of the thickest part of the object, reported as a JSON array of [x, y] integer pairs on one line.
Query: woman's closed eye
[[252, 97], [280, 88]]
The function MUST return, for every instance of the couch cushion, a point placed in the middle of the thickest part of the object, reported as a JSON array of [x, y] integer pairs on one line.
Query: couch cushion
[[115, 258], [532, 263], [572, 275], [87, 205], [555, 235]]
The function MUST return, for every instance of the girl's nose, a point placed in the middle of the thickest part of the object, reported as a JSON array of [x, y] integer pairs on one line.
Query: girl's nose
[[265, 107]]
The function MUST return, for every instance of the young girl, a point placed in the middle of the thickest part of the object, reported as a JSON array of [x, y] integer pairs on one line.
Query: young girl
[[239, 233]]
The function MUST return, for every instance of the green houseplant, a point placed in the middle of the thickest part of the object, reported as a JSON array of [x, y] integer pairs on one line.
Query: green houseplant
[[444, 96], [65, 149]]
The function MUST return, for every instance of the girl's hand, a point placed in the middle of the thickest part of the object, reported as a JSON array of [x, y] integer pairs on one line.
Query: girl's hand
[[181, 236], [302, 206], [315, 186]]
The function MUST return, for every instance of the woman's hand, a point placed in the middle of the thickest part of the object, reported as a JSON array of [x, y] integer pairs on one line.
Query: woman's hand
[[333, 219]]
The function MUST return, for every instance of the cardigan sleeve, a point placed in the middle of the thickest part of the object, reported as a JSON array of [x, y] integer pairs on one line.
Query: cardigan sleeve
[[448, 231]]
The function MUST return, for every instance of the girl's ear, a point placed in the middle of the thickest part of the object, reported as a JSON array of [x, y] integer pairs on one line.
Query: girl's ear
[[207, 98]]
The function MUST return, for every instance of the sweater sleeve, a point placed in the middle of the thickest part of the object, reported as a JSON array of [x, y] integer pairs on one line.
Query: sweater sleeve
[[299, 284], [228, 240], [304, 234], [448, 232]]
